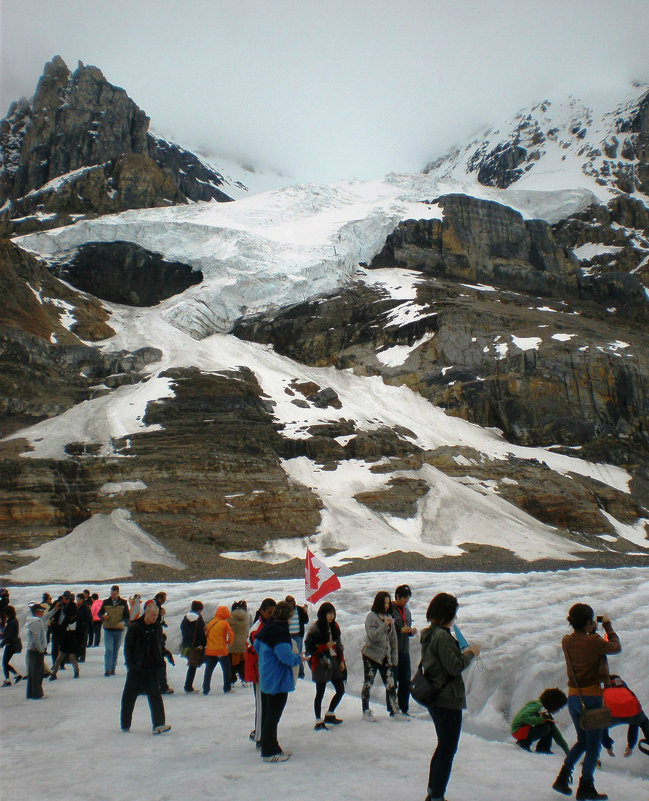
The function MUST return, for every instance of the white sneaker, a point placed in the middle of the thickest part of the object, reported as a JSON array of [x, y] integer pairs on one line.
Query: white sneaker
[[281, 757], [161, 729], [399, 717], [368, 715]]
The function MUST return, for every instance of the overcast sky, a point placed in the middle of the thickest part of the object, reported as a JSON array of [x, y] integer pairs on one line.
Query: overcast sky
[[324, 90]]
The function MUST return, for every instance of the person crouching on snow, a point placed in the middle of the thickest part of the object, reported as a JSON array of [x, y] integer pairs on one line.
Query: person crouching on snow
[[625, 708], [535, 722]]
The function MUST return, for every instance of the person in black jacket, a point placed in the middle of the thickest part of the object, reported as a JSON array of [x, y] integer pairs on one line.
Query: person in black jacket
[[143, 653], [324, 647], [192, 630], [405, 630], [12, 645], [84, 624], [64, 621]]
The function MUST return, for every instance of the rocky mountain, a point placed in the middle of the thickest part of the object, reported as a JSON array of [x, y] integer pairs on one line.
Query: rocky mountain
[[81, 148], [446, 370]]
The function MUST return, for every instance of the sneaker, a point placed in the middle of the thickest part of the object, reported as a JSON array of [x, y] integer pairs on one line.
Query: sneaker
[[167, 691], [112, 672], [523, 745], [125, 729], [161, 729], [190, 690], [320, 726], [18, 678], [245, 684], [281, 757], [6, 683], [368, 715], [399, 717], [331, 718], [252, 736], [52, 676], [107, 673], [76, 675]]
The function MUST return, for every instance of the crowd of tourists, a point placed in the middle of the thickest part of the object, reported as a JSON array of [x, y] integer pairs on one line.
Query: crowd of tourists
[[267, 651]]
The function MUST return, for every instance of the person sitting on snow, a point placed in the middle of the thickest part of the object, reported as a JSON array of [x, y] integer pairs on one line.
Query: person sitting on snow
[[535, 722], [625, 708]]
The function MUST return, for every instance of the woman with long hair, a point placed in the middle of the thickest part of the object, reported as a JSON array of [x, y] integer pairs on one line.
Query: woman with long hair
[[380, 655], [323, 644], [443, 662], [585, 654], [12, 646]]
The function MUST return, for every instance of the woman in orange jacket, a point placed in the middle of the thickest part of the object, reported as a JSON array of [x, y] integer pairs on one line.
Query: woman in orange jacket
[[219, 635]]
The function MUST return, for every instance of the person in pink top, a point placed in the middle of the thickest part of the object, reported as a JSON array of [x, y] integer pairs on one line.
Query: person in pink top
[[96, 620]]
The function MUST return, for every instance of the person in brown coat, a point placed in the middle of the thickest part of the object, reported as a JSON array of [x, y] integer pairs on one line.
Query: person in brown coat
[[585, 653]]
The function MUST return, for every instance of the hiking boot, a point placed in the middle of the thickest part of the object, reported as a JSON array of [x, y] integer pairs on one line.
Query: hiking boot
[[368, 715], [320, 726], [563, 781], [587, 792], [161, 729], [331, 718]]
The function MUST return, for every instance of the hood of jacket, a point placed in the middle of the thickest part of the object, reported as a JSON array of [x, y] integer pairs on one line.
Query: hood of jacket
[[274, 632], [222, 613], [192, 616]]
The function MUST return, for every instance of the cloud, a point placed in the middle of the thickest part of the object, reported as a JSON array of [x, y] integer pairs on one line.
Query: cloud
[[333, 89]]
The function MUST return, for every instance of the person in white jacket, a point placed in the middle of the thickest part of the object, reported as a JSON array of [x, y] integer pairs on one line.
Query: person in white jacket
[[36, 647]]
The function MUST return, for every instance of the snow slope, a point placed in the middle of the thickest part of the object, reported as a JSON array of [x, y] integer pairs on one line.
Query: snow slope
[[519, 620]]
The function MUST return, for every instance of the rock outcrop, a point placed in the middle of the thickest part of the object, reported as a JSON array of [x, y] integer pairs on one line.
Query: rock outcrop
[[83, 147], [122, 272]]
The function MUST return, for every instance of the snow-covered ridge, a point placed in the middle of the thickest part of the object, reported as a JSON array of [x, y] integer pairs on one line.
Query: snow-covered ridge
[[282, 247]]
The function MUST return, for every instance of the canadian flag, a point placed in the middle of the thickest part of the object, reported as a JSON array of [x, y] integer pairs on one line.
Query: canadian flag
[[319, 580]]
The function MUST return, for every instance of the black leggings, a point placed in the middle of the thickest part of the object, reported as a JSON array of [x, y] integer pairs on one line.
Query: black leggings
[[320, 687], [7, 656]]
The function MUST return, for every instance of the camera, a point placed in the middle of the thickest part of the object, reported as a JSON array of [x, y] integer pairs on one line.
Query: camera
[[600, 618]]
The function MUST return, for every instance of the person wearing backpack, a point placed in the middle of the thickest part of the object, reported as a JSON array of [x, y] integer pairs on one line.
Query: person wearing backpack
[[443, 664], [625, 707]]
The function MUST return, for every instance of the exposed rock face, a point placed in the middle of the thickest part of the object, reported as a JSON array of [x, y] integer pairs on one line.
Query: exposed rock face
[[212, 475], [399, 499], [79, 121], [122, 272]]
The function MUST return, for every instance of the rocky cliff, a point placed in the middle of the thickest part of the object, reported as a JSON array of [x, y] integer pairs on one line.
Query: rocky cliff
[[82, 147]]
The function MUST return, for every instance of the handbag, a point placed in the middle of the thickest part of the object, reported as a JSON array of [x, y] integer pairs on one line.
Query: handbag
[[590, 719], [195, 655], [422, 688]]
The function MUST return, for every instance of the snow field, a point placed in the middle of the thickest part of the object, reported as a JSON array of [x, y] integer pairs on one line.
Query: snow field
[[518, 618]]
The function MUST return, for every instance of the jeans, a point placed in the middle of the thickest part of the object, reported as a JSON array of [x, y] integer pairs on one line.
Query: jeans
[[35, 661], [370, 669], [634, 722], [210, 663], [448, 725], [112, 642], [402, 679], [542, 733], [142, 682], [299, 640], [320, 686], [272, 707], [588, 742]]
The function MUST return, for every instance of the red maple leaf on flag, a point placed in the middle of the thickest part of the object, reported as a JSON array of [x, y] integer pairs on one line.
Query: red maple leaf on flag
[[319, 580]]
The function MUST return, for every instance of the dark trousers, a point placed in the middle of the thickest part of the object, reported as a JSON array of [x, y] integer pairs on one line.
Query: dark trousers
[[210, 663], [238, 670], [82, 644], [35, 662], [402, 675], [370, 669], [96, 632], [542, 733], [189, 677], [7, 656], [142, 682], [635, 722], [162, 677], [320, 686], [272, 707], [448, 725]]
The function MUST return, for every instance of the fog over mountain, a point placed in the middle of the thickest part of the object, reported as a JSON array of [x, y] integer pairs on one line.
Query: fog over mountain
[[324, 91]]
